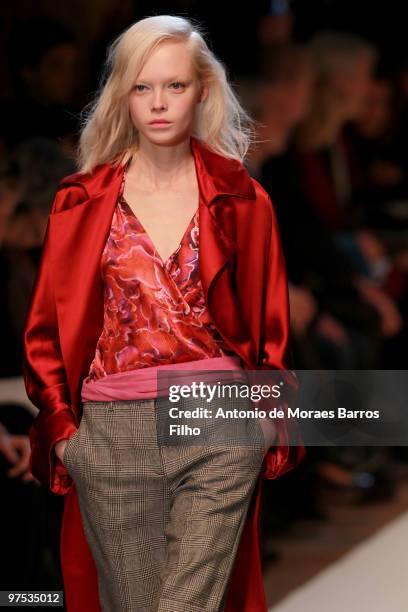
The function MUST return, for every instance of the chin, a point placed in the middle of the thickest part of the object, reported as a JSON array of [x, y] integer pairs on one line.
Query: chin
[[169, 139]]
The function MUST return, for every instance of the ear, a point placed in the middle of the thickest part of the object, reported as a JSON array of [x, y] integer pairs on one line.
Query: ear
[[203, 93]]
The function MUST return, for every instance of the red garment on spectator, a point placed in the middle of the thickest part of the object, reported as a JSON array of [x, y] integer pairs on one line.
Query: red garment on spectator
[[318, 186]]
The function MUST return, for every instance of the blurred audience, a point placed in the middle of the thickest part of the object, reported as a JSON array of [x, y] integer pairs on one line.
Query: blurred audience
[[28, 184], [29, 524], [330, 151], [347, 290], [44, 58]]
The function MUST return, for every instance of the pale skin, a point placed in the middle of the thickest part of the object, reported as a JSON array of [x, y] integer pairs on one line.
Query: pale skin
[[161, 183]]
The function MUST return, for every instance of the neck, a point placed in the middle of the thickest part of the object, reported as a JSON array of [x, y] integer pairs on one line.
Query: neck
[[159, 167]]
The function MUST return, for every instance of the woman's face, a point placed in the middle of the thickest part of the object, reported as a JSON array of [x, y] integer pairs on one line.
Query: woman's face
[[376, 114], [354, 86], [166, 88]]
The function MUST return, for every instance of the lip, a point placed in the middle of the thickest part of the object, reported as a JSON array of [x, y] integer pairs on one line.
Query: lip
[[159, 122]]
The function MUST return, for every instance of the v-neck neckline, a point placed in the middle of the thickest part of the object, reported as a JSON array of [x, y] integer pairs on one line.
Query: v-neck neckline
[[171, 256], [166, 262]]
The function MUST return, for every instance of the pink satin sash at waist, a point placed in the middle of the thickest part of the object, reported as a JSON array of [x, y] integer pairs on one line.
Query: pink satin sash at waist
[[144, 383]]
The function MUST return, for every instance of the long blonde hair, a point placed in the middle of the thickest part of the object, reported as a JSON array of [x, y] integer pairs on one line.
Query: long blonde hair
[[332, 53], [108, 134]]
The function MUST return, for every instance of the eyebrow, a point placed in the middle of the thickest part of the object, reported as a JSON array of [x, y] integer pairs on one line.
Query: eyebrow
[[173, 78]]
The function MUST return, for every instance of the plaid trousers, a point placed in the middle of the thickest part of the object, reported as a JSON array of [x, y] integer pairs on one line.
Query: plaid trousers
[[163, 520]]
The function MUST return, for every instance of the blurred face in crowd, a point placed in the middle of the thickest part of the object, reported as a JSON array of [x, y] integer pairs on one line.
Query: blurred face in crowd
[[166, 88], [375, 114], [353, 86], [290, 98], [53, 80], [300, 95]]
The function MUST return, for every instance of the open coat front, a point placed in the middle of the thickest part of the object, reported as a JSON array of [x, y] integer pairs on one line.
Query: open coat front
[[244, 281]]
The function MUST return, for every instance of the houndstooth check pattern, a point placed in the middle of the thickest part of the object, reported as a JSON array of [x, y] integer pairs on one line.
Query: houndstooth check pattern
[[163, 522]]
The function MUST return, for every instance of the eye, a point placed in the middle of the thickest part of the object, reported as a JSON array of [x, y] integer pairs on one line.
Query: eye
[[138, 87], [179, 83]]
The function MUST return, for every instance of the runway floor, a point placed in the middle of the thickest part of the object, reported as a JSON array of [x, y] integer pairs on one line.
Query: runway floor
[[357, 561]]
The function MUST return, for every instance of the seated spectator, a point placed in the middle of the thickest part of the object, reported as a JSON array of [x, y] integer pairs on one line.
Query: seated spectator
[[328, 171], [30, 518], [283, 95], [28, 183], [375, 142], [287, 88], [332, 182]]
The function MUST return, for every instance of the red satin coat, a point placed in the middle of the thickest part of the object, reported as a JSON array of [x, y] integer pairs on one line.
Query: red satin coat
[[244, 281]]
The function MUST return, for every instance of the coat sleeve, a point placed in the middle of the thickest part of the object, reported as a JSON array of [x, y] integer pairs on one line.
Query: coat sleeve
[[275, 350], [44, 374]]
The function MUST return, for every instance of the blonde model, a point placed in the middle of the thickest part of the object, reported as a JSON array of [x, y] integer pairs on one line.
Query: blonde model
[[161, 252]]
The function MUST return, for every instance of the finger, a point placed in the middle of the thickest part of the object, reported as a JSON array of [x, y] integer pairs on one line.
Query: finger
[[6, 448], [20, 467], [16, 470], [22, 444]]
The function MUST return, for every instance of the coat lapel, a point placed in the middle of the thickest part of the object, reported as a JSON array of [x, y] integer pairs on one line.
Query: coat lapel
[[78, 235], [218, 177]]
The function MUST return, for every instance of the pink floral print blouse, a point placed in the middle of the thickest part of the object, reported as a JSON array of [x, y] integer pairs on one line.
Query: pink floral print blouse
[[155, 312]]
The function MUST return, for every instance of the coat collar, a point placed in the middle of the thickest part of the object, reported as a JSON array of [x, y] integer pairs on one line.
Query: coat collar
[[224, 176], [217, 175]]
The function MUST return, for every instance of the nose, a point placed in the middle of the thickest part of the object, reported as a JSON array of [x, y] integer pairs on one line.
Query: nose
[[158, 100]]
